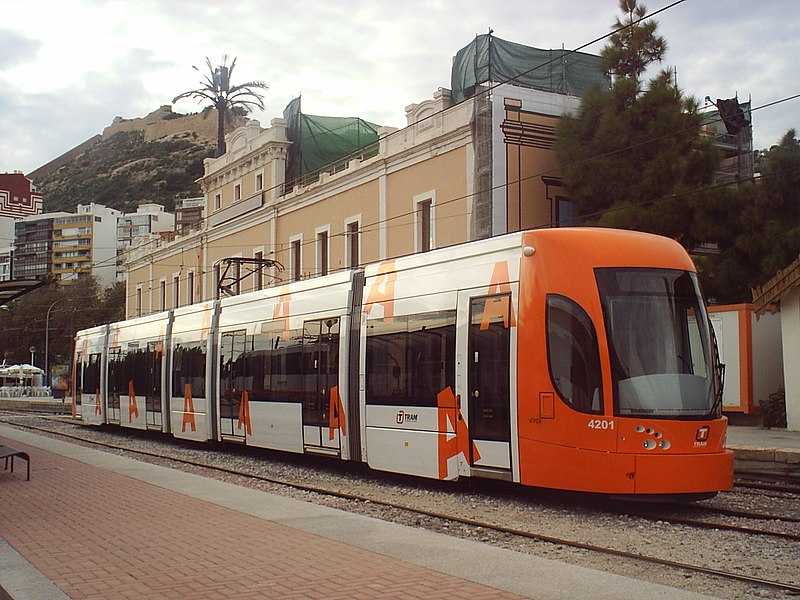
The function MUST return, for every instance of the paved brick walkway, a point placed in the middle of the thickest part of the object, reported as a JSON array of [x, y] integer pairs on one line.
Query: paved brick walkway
[[100, 535]]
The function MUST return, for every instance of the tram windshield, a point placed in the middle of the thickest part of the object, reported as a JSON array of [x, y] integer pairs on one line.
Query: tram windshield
[[662, 361]]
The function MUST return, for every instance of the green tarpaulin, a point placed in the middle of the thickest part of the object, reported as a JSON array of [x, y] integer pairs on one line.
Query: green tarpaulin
[[490, 59], [324, 143]]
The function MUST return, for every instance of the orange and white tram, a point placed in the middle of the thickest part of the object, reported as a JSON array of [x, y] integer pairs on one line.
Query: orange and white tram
[[576, 359]]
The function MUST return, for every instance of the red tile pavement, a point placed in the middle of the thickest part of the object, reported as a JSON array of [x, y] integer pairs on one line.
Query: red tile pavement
[[100, 535]]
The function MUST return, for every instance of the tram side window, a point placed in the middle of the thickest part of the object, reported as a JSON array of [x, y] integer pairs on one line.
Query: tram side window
[[410, 360], [189, 367], [246, 363], [287, 367], [386, 361], [91, 375], [573, 355], [137, 370], [257, 364], [272, 364], [431, 357]]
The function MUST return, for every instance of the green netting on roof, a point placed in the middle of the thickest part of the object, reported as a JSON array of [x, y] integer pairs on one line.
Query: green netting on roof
[[490, 59], [325, 143]]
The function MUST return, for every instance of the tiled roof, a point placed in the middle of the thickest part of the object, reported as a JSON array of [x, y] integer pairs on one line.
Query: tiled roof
[[777, 288]]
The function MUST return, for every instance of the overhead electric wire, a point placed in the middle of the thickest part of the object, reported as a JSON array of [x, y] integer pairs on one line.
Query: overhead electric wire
[[491, 87], [373, 226], [561, 57], [544, 226]]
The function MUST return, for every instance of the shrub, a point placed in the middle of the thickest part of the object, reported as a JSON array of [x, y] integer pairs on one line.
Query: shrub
[[774, 409]]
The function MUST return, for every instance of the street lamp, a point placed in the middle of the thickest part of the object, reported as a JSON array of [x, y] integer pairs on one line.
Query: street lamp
[[47, 343]]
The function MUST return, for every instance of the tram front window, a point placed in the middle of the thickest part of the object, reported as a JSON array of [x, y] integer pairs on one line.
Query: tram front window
[[659, 343]]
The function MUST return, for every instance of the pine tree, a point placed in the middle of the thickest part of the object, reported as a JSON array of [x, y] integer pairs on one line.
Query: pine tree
[[633, 151], [755, 228]]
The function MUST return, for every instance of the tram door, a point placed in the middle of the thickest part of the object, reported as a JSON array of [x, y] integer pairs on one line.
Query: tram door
[[489, 377], [155, 352], [320, 372], [233, 381]]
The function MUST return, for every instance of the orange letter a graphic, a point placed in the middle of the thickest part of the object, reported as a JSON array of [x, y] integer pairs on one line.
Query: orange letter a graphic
[[385, 278], [133, 408], [497, 305], [188, 408], [336, 418], [282, 312], [450, 417], [244, 413]]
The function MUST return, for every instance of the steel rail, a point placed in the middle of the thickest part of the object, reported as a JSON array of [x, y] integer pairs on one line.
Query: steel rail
[[716, 525], [765, 475], [768, 487], [746, 514]]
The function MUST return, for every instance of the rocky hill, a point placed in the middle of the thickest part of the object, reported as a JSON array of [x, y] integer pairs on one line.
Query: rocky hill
[[156, 158]]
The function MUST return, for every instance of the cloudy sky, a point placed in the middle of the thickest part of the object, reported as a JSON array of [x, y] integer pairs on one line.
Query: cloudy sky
[[68, 67]]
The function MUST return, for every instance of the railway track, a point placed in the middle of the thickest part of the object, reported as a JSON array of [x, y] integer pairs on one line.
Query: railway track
[[771, 482], [746, 514], [699, 522], [481, 525]]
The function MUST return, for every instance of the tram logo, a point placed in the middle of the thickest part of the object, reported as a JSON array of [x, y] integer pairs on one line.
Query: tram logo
[[702, 434], [404, 417]]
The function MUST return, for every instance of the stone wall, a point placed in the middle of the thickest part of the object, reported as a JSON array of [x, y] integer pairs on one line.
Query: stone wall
[[162, 123], [159, 124]]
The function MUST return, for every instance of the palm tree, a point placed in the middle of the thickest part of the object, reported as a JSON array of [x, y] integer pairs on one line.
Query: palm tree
[[226, 98]]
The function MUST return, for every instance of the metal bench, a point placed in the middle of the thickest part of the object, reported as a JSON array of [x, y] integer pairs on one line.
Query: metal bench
[[8, 452]]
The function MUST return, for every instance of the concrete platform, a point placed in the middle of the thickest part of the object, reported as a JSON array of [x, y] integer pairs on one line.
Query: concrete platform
[[764, 445], [40, 405], [95, 525]]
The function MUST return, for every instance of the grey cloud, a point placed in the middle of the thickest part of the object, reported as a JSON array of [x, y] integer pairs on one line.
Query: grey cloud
[[16, 49], [90, 105], [372, 58]]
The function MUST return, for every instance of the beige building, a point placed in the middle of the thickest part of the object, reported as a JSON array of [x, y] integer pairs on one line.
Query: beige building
[[458, 171], [68, 245]]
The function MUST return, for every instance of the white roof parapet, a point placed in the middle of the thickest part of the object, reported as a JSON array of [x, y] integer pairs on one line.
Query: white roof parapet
[[245, 140], [425, 110]]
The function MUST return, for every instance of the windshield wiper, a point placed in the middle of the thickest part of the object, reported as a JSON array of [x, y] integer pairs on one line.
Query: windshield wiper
[[716, 408]]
